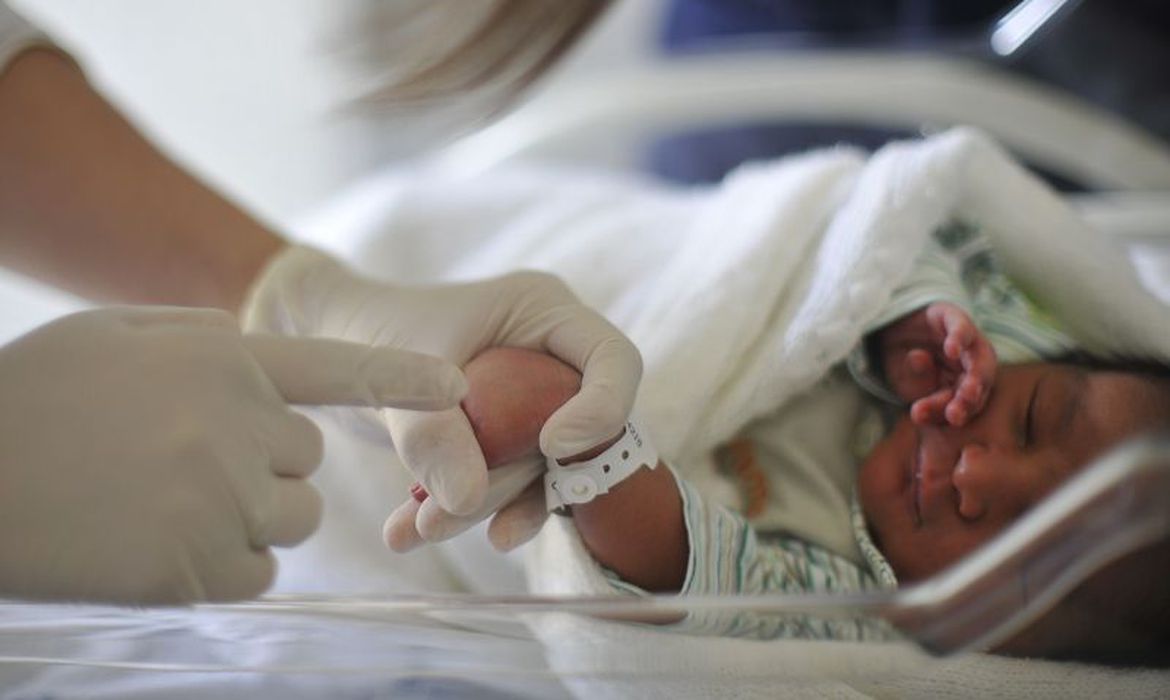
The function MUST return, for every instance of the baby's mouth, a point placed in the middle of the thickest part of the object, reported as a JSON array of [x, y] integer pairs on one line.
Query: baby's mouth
[[915, 490], [934, 464]]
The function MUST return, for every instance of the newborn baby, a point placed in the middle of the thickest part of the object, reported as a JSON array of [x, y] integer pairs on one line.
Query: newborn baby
[[978, 446]]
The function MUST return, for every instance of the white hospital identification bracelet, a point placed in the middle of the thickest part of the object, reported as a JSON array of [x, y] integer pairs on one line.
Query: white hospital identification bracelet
[[581, 482]]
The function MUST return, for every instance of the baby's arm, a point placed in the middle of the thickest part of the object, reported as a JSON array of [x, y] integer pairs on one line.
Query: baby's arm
[[644, 528], [937, 359], [636, 530]]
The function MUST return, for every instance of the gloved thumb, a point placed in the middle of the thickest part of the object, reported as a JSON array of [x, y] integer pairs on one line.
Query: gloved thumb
[[610, 372], [595, 414]]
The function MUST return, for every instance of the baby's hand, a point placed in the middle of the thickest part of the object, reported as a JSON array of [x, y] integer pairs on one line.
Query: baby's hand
[[938, 360], [511, 393]]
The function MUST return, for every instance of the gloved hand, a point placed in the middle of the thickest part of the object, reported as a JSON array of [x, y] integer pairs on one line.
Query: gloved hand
[[511, 393], [304, 292], [147, 455]]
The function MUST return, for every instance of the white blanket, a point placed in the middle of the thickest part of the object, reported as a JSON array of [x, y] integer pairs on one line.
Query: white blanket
[[739, 297]]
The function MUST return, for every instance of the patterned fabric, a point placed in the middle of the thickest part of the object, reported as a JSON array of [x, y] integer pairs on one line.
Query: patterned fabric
[[729, 557], [879, 567], [1019, 330], [958, 267]]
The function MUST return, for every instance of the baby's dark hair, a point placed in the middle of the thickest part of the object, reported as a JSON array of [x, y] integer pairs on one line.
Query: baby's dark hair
[[1133, 364], [1121, 615], [1153, 368], [1155, 371]]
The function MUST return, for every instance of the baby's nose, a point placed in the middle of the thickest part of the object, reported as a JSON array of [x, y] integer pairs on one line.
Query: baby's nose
[[974, 480]]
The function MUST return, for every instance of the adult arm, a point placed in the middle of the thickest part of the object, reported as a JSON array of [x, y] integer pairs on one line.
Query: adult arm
[[89, 205]]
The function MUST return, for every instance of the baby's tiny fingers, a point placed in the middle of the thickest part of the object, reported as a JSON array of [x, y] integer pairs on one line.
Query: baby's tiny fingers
[[956, 413], [930, 409], [954, 346], [917, 376], [983, 359], [923, 412], [953, 325], [961, 336], [919, 361], [971, 389]]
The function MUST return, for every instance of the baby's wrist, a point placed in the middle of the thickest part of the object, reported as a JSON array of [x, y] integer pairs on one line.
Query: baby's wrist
[[584, 457], [594, 473]]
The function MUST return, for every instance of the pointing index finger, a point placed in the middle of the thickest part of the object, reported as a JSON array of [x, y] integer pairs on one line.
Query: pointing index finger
[[326, 372]]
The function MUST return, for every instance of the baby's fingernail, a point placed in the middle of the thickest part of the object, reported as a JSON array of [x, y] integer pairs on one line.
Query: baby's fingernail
[[417, 492]]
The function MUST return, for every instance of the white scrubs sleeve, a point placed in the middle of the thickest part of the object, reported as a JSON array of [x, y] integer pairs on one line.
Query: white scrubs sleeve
[[16, 35]]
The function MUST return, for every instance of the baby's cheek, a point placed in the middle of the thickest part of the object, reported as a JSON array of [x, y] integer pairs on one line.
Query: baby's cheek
[[512, 393]]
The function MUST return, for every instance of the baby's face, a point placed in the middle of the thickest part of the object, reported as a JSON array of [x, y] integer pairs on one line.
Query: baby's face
[[932, 493]]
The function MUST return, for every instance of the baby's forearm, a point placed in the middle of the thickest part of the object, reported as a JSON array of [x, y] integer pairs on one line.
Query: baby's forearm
[[637, 530]]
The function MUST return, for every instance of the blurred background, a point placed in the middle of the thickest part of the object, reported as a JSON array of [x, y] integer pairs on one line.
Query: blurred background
[[256, 96], [253, 95]]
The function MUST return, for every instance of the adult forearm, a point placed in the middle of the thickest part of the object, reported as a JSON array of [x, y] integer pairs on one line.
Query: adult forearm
[[89, 205]]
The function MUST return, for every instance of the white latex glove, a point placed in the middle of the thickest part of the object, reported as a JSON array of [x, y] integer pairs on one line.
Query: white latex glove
[[304, 292], [147, 455]]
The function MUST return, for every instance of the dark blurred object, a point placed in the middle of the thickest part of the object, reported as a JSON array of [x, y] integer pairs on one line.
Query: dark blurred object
[[701, 24], [1111, 53], [1120, 617]]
